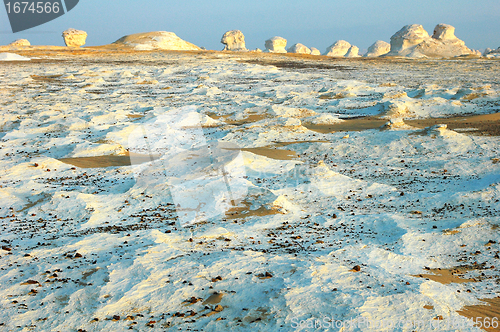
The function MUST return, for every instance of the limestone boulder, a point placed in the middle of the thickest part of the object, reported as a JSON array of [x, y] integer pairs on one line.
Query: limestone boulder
[[353, 52], [338, 49], [276, 45], [234, 40], [20, 43], [299, 48], [378, 48], [74, 38]]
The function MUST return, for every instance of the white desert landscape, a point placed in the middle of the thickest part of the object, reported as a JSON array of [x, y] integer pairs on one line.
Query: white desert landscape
[[151, 185]]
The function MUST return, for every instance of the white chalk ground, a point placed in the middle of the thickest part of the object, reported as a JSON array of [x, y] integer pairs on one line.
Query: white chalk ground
[[81, 245]]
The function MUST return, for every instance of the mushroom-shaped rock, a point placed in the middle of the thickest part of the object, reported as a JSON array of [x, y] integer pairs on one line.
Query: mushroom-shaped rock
[[408, 36], [299, 48], [20, 42], [378, 48], [353, 52], [315, 51], [338, 49], [74, 38], [156, 40], [276, 45], [234, 40]]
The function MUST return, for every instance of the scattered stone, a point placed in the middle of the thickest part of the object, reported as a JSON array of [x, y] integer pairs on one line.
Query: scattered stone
[[234, 40], [378, 48], [266, 275], [116, 318], [218, 308], [356, 268], [20, 43], [299, 48], [74, 38], [218, 278], [276, 45], [31, 282]]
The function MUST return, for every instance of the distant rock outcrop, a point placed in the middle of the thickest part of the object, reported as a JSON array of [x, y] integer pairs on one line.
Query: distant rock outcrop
[[74, 38], [378, 48], [299, 48], [276, 45], [234, 40], [315, 51], [20, 42], [338, 49], [157, 40], [489, 53], [414, 41]]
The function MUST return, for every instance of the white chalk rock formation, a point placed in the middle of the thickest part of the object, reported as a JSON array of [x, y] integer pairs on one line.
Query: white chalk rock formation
[[338, 49], [299, 48], [378, 48], [74, 38], [20, 42], [414, 41], [315, 51], [156, 40], [353, 52], [276, 45], [234, 40]]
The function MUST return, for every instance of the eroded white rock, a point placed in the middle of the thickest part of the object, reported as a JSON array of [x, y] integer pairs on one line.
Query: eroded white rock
[[74, 38], [276, 45], [234, 40], [299, 48], [338, 49], [162, 40], [378, 48], [414, 41]]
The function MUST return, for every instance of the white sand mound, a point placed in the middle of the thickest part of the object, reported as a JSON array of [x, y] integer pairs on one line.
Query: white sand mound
[[20, 43], [276, 45], [338, 49], [156, 40], [414, 41], [12, 57], [234, 40], [299, 48], [378, 48]]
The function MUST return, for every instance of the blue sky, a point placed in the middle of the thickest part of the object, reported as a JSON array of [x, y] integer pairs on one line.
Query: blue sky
[[316, 23]]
